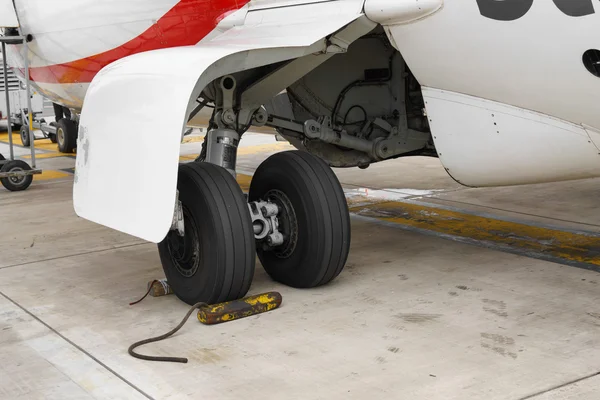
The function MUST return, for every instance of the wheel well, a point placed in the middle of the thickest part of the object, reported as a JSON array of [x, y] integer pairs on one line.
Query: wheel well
[[369, 93]]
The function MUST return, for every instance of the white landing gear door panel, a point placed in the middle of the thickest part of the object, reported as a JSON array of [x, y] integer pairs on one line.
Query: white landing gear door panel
[[8, 15], [136, 108]]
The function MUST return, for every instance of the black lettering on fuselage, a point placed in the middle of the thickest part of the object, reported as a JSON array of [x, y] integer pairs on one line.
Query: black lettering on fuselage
[[575, 8], [506, 10], [510, 10]]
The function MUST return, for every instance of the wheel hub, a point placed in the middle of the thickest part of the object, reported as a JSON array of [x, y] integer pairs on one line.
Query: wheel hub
[[185, 250], [287, 221], [17, 180], [60, 136]]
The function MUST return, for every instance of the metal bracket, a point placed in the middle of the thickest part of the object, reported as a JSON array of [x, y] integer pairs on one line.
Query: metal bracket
[[227, 86], [265, 222], [177, 223]]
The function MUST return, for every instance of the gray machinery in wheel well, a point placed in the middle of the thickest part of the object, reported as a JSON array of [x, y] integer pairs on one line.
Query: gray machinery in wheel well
[[366, 99]]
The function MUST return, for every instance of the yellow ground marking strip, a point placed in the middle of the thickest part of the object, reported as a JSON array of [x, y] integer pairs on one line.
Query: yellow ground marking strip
[[49, 155], [45, 144], [51, 174], [566, 245], [4, 137], [193, 139], [42, 144], [244, 181]]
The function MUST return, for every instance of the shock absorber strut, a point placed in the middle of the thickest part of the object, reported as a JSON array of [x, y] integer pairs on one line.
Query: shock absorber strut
[[221, 149]]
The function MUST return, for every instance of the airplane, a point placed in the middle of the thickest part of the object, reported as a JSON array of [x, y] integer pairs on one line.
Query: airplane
[[502, 92]]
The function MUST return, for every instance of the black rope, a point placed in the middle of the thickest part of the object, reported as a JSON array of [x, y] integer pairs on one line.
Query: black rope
[[162, 337], [147, 293]]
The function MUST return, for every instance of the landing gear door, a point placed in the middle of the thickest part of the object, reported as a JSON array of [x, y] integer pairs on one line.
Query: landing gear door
[[8, 15], [136, 109]]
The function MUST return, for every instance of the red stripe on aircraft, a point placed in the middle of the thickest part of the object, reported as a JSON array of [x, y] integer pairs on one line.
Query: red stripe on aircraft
[[184, 25]]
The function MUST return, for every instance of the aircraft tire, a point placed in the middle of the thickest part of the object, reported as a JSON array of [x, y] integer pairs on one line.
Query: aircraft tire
[[66, 135], [214, 261], [25, 139], [52, 136], [313, 218], [20, 183]]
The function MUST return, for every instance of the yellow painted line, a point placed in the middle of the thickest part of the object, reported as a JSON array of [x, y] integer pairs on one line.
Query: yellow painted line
[[571, 246], [44, 144], [16, 137], [4, 136], [51, 174], [193, 139], [244, 181], [49, 155]]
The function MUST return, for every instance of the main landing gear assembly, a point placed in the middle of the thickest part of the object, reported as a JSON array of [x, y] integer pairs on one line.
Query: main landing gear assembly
[[295, 218]]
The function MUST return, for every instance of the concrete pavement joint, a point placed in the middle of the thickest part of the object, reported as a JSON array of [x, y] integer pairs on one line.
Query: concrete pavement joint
[[106, 367], [534, 395], [74, 255]]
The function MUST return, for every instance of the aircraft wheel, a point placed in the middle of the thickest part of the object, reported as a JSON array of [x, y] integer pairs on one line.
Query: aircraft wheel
[[214, 261], [52, 136], [25, 139], [15, 184], [66, 135], [313, 218]]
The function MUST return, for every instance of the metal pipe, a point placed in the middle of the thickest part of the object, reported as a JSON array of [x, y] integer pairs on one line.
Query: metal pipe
[[29, 110], [9, 121]]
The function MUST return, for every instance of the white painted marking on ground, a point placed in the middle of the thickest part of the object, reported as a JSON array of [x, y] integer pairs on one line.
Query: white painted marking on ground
[[389, 194]]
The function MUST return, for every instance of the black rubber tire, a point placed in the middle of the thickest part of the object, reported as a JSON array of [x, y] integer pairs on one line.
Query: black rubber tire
[[216, 209], [52, 136], [16, 184], [25, 139], [323, 221], [66, 135]]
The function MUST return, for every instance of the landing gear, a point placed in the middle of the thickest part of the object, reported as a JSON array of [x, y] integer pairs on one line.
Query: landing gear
[[52, 136], [66, 135], [312, 218], [214, 259], [296, 217]]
